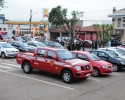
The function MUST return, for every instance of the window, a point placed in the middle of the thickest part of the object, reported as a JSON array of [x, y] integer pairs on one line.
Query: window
[[119, 19], [82, 56], [4, 29], [119, 24], [102, 54], [41, 53], [33, 44], [0, 28], [113, 19], [123, 17], [123, 20], [29, 43], [51, 54], [51, 44], [95, 53], [15, 44], [123, 25]]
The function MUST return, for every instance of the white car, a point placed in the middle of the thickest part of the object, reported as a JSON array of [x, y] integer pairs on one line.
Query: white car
[[7, 50], [115, 51]]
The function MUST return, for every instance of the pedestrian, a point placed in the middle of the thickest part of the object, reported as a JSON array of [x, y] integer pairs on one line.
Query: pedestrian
[[78, 45], [83, 45], [96, 44], [93, 44], [109, 43]]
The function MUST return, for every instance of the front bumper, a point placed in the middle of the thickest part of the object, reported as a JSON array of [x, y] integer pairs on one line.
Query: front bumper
[[106, 70], [11, 54]]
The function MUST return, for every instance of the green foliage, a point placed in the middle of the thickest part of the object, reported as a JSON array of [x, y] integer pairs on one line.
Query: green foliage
[[2, 4], [58, 18], [104, 31]]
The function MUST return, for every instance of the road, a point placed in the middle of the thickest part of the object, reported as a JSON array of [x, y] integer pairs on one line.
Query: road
[[15, 85]]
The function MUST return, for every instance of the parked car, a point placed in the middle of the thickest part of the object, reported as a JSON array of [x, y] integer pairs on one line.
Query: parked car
[[88, 43], [118, 63], [7, 50], [116, 43], [54, 60], [36, 44], [18, 38], [117, 52], [54, 44], [99, 66], [22, 47]]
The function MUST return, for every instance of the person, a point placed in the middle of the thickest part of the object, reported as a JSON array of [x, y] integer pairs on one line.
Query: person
[[93, 44], [96, 44], [109, 43], [83, 45], [78, 45]]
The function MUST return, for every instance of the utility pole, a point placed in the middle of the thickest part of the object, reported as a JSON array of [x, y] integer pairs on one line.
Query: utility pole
[[30, 21]]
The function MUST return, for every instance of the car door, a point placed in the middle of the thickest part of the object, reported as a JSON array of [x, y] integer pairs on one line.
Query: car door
[[39, 60], [103, 56], [51, 63]]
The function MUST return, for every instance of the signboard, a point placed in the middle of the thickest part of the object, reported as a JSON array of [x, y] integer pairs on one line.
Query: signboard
[[116, 15], [45, 14]]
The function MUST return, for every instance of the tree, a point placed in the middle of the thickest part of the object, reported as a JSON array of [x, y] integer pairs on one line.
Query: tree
[[104, 31], [58, 19], [2, 4]]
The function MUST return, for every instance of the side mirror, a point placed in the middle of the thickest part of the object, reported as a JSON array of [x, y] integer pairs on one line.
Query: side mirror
[[54, 58]]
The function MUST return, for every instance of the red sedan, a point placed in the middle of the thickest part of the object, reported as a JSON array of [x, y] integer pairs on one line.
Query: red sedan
[[99, 66]]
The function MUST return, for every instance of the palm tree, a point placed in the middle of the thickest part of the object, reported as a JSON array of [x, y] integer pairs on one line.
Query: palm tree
[[2, 4]]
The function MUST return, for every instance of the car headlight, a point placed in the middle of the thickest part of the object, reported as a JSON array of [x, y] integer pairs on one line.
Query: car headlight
[[8, 51], [104, 66], [123, 63], [78, 67]]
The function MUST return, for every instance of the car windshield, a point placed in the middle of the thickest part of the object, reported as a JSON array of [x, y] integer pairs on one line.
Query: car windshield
[[93, 57], [111, 54], [6, 36], [121, 52], [18, 38], [41, 44], [65, 55], [58, 44], [23, 44], [6, 45]]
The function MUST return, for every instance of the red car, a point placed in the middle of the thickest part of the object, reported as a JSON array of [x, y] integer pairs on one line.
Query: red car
[[54, 60], [99, 66]]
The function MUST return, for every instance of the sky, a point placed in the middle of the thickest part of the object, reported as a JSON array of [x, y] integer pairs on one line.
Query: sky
[[93, 9]]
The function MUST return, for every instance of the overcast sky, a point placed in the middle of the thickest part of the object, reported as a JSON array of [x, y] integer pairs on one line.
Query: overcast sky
[[93, 9]]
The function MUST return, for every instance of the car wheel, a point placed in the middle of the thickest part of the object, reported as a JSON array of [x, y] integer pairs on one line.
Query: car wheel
[[96, 72], [3, 55], [27, 68], [115, 68], [67, 76]]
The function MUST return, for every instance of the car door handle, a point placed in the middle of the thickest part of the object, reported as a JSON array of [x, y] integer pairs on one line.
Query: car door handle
[[35, 58], [45, 60]]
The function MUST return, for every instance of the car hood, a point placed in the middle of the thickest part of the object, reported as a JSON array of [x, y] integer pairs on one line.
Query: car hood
[[11, 49], [78, 62], [103, 63]]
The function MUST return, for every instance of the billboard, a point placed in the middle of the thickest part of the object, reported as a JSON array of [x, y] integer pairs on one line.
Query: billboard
[[116, 15], [45, 14]]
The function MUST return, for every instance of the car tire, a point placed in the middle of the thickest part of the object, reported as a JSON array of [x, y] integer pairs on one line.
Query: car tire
[[67, 76], [96, 72], [3, 55], [27, 68], [115, 68]]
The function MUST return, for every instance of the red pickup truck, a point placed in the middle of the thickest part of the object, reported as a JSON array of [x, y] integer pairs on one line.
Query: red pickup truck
[[58, 61]]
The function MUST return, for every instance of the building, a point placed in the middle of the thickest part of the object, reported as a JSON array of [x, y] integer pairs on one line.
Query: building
[[118, 20]]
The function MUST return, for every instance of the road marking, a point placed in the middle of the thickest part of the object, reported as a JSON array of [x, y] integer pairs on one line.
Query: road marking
[[14, 65], [6, 67], [12, 70], [8, 61], [94, 79], [39, 80], [115, 73]]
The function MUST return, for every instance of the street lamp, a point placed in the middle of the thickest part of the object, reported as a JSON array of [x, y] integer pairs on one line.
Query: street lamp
[[31, 18]]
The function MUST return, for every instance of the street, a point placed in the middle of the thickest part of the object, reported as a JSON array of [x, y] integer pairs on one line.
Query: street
[[15, 85]]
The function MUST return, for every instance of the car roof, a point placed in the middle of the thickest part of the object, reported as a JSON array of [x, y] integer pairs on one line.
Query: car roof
[[49, 48], [83, 52]]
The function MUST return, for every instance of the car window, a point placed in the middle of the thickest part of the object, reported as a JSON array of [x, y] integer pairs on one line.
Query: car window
[[15, 44], [46, 43], [95, 53], [81, 56], [102, 54], [33, 44], [51, 44], [41, 52], [29, 43], [51, 54]]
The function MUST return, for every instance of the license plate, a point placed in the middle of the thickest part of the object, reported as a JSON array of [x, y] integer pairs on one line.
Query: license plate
[[87, 75]]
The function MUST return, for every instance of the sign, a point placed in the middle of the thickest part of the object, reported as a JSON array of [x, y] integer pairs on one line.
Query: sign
[[45, 14], [116, 15]]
